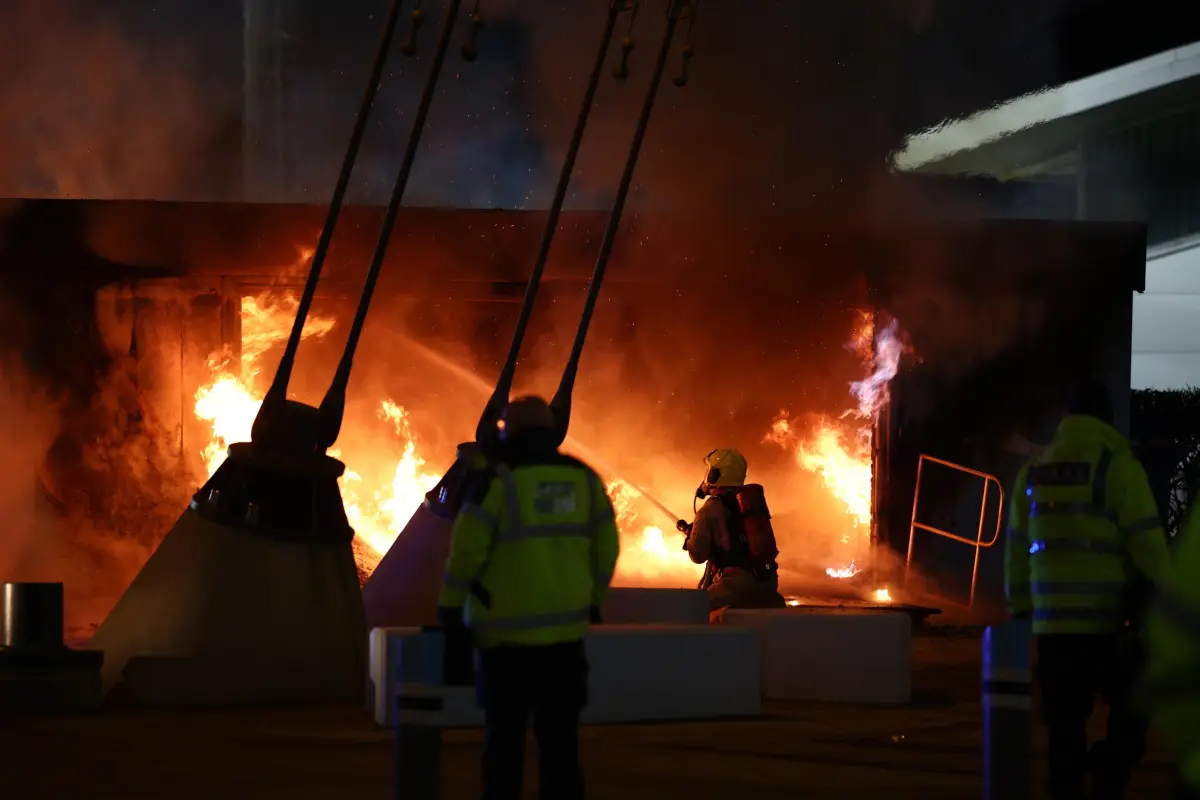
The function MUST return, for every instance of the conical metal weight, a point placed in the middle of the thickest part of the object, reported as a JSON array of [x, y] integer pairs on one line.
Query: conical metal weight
[[252, 598], [403, 589]]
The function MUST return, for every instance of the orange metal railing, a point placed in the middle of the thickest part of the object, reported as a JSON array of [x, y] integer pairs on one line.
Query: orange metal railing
[[978, 543]]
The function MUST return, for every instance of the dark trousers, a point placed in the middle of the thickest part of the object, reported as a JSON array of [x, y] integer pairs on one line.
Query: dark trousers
[[548, 684], [1072, 671]]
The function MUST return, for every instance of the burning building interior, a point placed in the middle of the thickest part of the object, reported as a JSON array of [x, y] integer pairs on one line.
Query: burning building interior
[[839, 358], [885, 351]]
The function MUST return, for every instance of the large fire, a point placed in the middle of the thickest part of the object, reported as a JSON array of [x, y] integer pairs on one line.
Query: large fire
[[379, 508], [839, 449]]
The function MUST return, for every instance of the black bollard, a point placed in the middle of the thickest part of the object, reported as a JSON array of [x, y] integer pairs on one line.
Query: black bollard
[[1007, 711], [418, 741], [31, 616], [38, 672], [418, 752]]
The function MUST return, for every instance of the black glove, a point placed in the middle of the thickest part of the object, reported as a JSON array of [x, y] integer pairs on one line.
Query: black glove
[[458, 663], [684, 527], [450, 618], [595, 616]]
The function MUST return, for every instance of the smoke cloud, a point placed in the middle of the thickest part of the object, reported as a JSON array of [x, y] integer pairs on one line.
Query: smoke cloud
[[92, 107], [28, 425], [757, 126]]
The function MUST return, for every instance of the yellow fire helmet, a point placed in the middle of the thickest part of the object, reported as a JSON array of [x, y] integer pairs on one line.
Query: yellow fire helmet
[[726, 467]]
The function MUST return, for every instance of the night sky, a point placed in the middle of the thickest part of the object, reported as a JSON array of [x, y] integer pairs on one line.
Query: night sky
[[794, 105]]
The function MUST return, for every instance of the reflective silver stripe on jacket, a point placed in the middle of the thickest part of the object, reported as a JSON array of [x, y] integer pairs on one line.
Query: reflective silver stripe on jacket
[[512, 496], [1098, 507], [601, 512], [480, 513], [517, 529], [1078, 587], [1076, 545], [533, 621], [486, 517], [1179, 611], [455, 582], [1143, 525], [1081, 509], [1077, 614]]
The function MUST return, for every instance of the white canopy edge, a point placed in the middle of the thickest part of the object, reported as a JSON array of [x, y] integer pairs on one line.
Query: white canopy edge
[[926, 148]]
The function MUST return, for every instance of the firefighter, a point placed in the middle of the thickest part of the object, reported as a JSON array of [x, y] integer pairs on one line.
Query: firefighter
[[731, 534], [531, 556], [1173, 658], [1084, 540]]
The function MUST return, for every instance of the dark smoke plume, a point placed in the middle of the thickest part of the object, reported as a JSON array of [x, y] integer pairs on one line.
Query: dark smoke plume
[[90, 107]]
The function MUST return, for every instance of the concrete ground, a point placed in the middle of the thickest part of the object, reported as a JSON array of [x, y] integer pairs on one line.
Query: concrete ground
[[929, 750]]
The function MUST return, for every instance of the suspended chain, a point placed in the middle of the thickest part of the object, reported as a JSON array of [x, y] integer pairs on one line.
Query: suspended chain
[[677, 10], [277, 394], [334, 403], [485, 430]]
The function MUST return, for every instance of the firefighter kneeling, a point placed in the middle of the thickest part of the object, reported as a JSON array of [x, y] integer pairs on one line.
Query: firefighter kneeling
[[732, 535]]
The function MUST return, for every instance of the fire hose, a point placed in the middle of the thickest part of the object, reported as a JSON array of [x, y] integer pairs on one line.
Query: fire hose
[[291, 425]]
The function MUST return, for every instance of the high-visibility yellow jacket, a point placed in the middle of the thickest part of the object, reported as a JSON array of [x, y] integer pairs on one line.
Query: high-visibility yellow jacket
[[1082, 523], [1173, 654], [532, 551]]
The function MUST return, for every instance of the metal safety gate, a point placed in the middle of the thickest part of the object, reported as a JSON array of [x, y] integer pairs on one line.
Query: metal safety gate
[[978, 543]]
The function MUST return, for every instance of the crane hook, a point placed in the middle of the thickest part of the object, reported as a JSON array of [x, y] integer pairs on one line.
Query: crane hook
[[622, 70], [408, 47], [686, 10], [627, 44], [470, 48], [683, 77]]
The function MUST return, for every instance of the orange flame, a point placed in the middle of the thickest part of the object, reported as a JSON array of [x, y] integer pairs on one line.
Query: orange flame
[[648, 555], [379, 504], [229, 404], [379, 510], [840, 452]]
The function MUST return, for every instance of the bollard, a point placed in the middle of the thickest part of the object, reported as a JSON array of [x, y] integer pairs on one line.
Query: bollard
[[38, 672], [420, 707], [418, 751], [1007, 711], [31, 616]]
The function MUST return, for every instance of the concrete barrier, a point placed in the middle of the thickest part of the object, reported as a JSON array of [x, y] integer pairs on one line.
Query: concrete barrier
[[639, 673], [655, 607], [833, 655]]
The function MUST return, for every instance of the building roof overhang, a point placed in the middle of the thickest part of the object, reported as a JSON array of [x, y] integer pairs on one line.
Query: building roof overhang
[[1038, 131]]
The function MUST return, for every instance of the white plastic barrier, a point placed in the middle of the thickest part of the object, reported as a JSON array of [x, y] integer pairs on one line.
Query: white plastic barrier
[[832, 655], [639, 673], [655, 607]]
